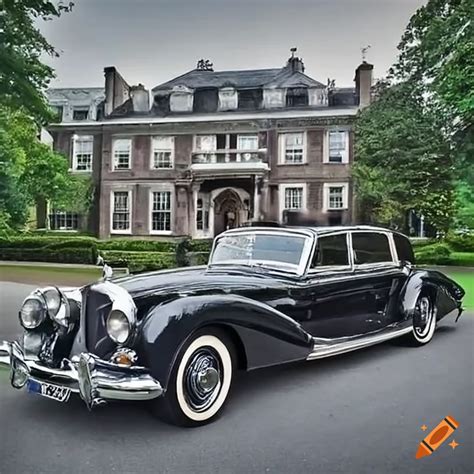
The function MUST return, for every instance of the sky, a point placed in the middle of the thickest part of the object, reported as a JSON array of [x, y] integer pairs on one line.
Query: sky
[[153, 41]]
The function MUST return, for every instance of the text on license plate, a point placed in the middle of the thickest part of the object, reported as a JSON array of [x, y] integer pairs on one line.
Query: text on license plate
[[60, 394]]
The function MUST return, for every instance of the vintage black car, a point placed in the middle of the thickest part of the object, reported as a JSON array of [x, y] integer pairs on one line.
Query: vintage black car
[[268, 296]]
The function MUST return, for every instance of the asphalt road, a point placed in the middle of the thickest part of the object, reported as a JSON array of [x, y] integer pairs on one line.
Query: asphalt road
[[356, 413]]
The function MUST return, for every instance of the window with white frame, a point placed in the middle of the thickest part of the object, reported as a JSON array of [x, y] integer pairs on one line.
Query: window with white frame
[[121, 211], [63, 220], [293, 198], [82, 152], [161, 211], [338, 146], [162, 152], [292, 148], [122, 150], [335, 196], [205, 142], [247, 142]]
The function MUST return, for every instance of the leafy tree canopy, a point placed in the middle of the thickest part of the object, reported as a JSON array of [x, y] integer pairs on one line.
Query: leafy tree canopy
[[23, 76], [403, 161]]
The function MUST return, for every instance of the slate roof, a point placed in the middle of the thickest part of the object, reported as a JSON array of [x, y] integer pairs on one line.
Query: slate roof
[[240, 79]]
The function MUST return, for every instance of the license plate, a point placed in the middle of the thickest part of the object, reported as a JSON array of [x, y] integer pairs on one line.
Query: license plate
[[60, 394]]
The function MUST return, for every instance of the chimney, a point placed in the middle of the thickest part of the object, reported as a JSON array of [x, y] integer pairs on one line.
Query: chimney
[[140, 98], [363, 81], [117, 91], [295, 63]]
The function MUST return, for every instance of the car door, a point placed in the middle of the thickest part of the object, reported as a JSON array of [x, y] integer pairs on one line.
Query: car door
[[378, 270], [339, 301]]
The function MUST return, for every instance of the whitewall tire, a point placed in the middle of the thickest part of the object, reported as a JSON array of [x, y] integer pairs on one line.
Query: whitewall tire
[[424, 321], [200, 379]]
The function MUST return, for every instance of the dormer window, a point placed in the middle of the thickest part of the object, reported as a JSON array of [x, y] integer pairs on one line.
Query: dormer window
[[296, 97], [205, 100], [181, 99], [250, 98], [80, 113]]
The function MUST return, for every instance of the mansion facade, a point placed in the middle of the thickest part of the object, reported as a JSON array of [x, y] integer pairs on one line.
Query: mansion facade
[[211, 150]]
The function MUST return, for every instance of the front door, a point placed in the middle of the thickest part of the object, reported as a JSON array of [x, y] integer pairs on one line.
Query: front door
[[227, 211]]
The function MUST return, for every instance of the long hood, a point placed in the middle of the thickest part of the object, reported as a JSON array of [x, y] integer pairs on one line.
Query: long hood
[[189, 281]]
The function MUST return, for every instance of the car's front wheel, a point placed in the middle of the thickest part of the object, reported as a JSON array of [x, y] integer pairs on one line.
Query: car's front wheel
[[200, 380]]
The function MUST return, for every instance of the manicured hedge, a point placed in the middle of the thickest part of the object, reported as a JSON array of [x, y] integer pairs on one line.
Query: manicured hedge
[[131, 245], [63, 255], [435, 254], [139, 261], [461, 243]]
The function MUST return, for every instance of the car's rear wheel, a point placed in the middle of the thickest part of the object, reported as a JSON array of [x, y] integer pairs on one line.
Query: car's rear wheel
[[200, 380], [424, 321]]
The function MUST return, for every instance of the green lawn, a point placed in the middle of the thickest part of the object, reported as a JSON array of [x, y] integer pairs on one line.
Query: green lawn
[[466, 279]]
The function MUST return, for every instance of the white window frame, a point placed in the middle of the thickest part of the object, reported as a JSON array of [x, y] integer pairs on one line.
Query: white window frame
[[210, 150], [161, 189], [247, 136], [345, 153], [76, 139], [114, 149], [282, 148], [130, 204], [170, 149], [345, 196], [282, 196]]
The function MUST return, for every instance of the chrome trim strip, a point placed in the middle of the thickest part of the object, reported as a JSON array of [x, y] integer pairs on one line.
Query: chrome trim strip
[[94, 379], [330, 347]]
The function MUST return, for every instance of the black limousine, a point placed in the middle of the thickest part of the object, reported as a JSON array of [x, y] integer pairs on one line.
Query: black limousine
[[267, 296]]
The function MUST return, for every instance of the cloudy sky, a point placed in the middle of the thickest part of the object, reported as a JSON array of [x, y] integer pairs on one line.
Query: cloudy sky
[[152, 41]]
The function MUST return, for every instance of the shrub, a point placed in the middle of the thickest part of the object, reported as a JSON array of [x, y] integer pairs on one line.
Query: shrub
[[130, 245], [200, 245], [139, 261], [461, 243], [434, 254], [64, 255], [198, 258]]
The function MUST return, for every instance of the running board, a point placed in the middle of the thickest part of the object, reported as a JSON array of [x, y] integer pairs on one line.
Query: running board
[[330, 347]]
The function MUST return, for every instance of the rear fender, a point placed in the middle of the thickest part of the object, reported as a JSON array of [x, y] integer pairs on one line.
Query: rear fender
[[446, 293], [268, 336]]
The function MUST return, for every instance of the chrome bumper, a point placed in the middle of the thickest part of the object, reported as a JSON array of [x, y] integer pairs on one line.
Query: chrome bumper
[[95, 380]]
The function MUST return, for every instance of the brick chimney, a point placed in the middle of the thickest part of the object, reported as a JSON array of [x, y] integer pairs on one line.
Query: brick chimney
[[140, 98], [117, 91], [363, 82], [295, 63]]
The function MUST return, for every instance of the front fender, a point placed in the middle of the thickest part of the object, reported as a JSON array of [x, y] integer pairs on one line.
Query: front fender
[[447, 293], [268, 336]]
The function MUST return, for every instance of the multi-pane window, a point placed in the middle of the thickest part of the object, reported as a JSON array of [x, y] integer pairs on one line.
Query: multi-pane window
[[161, 211], [206, 142], [122, 149], [163, 152], [292, 148], [293, 198], [121, 211], [247, 142], [337, 143], [63, 220], [336, 197], [296, 97], [202, 214], [82, 152]]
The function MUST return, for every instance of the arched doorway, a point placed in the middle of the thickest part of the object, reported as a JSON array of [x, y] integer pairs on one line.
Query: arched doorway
[[230, 210]]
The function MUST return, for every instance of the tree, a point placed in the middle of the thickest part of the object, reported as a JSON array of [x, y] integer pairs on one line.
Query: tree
[[23, 76], [403, 161], [437, 51]]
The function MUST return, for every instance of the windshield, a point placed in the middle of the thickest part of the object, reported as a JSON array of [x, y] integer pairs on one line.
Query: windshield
[[259, 249]]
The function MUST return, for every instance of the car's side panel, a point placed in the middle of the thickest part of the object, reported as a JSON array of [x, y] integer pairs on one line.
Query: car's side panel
[[447, 293], [167, 327]]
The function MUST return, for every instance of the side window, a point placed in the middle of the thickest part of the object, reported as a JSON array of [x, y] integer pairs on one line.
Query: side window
[[404, 249], [370, 247], [331, 250]]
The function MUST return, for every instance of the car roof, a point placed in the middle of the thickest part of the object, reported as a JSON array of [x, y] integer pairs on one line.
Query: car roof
[[307, 230]]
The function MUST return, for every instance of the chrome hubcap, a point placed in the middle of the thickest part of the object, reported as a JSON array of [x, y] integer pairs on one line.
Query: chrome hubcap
[[202, 379], [424, 317]]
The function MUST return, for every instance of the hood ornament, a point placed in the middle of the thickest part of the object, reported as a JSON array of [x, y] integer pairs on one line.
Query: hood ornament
[[107, 271]]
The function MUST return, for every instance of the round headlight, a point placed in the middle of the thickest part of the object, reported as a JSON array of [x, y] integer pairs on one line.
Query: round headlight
[[118, 326], [53, 300], [32, 313]]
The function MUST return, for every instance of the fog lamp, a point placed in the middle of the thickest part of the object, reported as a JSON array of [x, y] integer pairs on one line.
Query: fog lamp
[[19, 373], [125, 357]]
